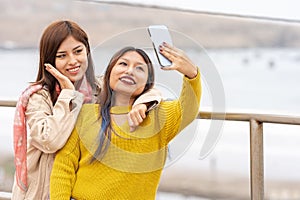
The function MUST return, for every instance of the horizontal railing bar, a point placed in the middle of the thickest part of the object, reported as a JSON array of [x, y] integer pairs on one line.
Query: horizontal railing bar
[[247, 117], [5, 195], [266, 118], [7, 103]]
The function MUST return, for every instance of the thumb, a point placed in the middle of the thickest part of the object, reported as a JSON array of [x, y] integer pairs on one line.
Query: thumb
[[131, 125], [132, 128]]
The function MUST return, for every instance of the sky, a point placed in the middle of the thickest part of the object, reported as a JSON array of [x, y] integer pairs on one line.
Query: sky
[[277, 9]]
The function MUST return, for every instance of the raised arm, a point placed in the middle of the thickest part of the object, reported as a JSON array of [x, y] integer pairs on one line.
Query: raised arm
[[187, 107]]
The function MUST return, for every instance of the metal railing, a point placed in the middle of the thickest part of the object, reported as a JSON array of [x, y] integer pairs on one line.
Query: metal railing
[[5, 196], [4, 103], [256, 142]]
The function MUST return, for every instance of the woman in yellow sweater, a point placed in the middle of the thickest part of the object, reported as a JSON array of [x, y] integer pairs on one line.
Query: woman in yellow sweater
[[102, 158]]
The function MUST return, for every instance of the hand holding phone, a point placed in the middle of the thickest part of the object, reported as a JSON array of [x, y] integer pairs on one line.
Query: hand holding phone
[[158, 35]]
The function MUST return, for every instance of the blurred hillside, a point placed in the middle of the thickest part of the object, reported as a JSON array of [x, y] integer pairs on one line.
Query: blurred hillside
[[22, 23]]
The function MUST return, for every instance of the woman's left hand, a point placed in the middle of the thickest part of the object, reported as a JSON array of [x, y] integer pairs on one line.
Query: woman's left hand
[[180, 61], [136, 116]]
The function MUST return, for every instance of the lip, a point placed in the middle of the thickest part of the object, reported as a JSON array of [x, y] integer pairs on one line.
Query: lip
[[73, 70], [128, 80]]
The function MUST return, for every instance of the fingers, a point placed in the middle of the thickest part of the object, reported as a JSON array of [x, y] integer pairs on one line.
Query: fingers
[[172, 54], [180, 61], [132, 127], [64, 81], [136, 116], [170, 51], [167, 52], [53, 71]]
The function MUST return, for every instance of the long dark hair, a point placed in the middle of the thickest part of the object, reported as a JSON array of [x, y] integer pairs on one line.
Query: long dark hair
[[106, 98], [50, 41]]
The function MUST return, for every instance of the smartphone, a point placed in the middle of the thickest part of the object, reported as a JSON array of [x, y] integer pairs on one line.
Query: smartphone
[[158, 35]]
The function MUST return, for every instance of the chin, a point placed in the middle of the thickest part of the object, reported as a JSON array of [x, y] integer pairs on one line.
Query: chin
[[77, 78]]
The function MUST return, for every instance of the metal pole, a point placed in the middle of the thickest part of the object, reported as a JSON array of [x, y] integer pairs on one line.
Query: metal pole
[[256, 160], [4, 103]]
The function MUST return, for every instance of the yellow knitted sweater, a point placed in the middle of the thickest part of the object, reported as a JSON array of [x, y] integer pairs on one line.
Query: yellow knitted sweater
[[132, 165]]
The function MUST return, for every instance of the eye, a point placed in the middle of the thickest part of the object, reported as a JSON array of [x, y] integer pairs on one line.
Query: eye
[[123, 63], [60, 55], [78, 51], [140, 68]]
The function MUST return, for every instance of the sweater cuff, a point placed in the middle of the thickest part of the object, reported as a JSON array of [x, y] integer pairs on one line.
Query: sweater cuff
[[196, 78], [70, 94]]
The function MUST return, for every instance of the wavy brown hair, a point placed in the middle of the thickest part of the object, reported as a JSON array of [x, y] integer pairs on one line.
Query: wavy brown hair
[[106, 98], [50, 41]]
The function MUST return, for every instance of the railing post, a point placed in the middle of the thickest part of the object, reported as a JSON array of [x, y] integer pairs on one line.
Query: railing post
[[256, 160]]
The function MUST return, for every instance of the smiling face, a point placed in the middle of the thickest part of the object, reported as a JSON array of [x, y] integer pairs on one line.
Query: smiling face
[[71, 59], [129, 75]]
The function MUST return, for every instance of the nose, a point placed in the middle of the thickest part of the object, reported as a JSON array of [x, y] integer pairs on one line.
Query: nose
[[72, 60], [129, 70]]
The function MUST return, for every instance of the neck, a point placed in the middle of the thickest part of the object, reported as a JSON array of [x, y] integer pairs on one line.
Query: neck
[[123, 100]]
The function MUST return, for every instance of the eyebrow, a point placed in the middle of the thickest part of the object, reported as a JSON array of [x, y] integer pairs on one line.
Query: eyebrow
[[72, 49], [139, 63]]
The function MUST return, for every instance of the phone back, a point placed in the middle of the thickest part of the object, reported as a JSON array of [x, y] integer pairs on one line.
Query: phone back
[[158, 35]]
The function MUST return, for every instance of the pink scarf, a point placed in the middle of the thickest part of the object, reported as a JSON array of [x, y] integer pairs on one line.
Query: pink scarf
[[20, 136], [20, 129]]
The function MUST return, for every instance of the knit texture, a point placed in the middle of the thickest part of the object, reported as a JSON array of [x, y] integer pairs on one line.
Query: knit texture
[[132, 166]]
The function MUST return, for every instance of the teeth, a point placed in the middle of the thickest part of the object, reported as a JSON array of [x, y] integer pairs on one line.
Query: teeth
[[127, 80], [74, 69]]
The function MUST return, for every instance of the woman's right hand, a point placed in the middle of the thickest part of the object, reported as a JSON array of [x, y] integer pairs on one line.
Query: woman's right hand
[[64, 81], [180, 61]]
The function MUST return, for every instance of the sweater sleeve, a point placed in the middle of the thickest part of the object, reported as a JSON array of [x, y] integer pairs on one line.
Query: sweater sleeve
[[181, 112], [152, 98], [63, 174], [50, 126]]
